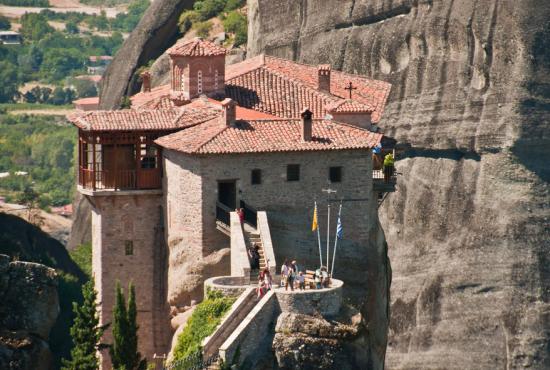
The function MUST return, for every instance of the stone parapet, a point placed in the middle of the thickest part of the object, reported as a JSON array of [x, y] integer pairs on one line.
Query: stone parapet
[[239, 310], [240, 265], [249, 335], [265, 234], [324, 302], [232, 286]]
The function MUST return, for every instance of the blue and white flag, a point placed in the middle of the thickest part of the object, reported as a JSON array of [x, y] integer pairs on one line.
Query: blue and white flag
[[339, 229]]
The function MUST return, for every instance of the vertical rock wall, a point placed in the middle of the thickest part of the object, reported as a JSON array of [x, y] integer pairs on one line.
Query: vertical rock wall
[[468, 227]]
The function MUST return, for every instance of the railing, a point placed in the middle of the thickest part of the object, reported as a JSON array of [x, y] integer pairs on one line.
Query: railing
[[193, 362], [379, 175], [120, 179], [250, 214], [223, 212]]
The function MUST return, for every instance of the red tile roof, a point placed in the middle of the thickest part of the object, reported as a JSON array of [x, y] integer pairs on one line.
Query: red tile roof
[[272, 92], [196, 48], [130, 119], [255, 136], [284, 88], [349, 106]]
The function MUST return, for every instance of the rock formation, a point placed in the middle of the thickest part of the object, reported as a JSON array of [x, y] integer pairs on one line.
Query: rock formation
[[29, 309], [468, 227], [157, 30]]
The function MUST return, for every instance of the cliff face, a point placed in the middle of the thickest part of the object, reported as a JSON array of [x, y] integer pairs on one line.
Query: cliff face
[[467, 229], [29, 308]]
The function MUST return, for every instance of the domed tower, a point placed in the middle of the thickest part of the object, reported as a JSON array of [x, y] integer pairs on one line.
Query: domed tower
[[197, 67]]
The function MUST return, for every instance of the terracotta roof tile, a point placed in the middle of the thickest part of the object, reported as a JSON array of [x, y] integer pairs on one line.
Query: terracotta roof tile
[[349, 106], [196, 48], [130, 119], [254, 136], [274, 93]]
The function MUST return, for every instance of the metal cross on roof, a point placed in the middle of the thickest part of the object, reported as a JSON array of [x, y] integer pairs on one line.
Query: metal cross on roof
[[350, 87]]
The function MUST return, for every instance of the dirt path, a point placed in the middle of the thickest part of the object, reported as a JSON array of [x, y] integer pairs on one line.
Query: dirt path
[[47, 112], [18, 11]]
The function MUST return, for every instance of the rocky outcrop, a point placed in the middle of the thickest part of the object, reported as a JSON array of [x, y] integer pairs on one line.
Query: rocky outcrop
[[467, 229], [81, 229], [29, 309], [312, 342], [157, 30]]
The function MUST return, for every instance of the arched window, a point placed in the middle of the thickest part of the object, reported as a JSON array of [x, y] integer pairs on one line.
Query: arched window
[[199, 82], [216, 79]]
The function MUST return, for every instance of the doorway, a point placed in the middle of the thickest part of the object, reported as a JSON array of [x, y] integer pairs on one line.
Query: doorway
[[227, 193]]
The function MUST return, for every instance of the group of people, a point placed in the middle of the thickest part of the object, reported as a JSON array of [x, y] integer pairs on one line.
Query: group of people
[[291, 276]]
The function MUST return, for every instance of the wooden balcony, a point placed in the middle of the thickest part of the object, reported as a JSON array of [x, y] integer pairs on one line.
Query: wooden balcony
[[383, 184], [141, 179]]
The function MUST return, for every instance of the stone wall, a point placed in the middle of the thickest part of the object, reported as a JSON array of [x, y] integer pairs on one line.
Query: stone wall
[[324, 302], [232, 286], [252, 333], [128, 246], [197, 251]]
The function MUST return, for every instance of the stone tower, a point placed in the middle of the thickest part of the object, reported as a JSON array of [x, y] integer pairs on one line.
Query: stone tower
[[197, 67], [120, 174]]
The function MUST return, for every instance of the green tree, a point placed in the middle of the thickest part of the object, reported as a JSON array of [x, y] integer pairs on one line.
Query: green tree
[[9, 81], [4, 23], [59, 63], [236, 23], [71, 27], [124, 350], [85, 332], [34, 26]]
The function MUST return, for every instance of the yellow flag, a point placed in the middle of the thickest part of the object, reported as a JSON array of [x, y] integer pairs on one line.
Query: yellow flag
[[314, 225]]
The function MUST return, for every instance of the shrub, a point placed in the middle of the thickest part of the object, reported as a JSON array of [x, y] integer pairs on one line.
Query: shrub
[[187, 19], [203, 28], [4, 23], [235, 23], [202, 323]]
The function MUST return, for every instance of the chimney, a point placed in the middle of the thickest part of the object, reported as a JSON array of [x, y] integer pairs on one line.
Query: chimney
[[306, 124], [228, 112], [323, 77], [145, 81]]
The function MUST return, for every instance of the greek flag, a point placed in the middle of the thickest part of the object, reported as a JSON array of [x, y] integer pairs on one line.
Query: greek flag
[[339, 229]]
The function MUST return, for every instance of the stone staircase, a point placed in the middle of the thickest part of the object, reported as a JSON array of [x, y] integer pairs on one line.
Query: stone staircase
[[252, 237], [240, 309]]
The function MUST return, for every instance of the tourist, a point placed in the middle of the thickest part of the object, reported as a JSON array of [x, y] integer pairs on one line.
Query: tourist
[[284, 273], [262, 288], [318, 278], [254, 256], [326, 278], [240, 213], [294, 268], [388, 167], [267, 279], [290, 278], [301, 281]]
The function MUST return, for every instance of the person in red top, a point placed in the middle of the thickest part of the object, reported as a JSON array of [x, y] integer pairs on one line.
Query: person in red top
[[240, 213]]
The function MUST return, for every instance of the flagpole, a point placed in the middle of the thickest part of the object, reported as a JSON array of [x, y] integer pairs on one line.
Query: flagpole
[[336, 239], [319, 238], [328, 235]]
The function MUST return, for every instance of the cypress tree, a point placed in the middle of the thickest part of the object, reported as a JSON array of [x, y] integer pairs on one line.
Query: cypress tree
[[85, 332], [124, 350]]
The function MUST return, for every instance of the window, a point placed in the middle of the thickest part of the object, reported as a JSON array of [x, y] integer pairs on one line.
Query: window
[[216, 75], [199, 82], [256, 177], [335, 174], [293, 172], [129, 247]]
